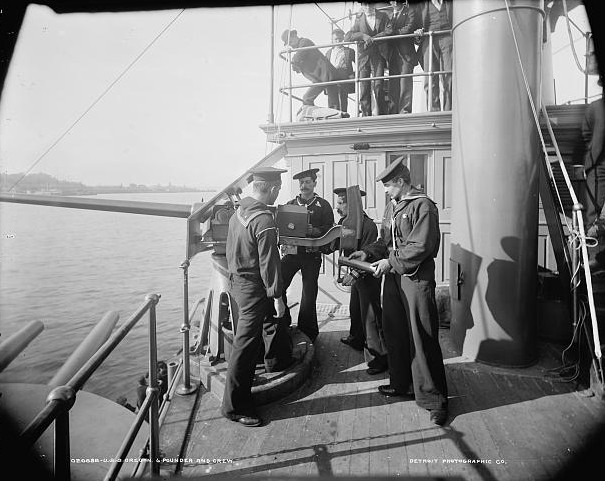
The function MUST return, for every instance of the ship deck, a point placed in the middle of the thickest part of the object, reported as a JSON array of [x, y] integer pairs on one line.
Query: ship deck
[[504, 424]]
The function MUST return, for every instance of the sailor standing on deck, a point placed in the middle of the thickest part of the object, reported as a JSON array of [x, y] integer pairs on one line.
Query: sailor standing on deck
[[255, 282], [409, 241], [307, 260], [364, 304]]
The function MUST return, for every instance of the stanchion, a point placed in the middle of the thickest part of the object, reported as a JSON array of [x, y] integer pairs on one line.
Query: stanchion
[[186, 388]]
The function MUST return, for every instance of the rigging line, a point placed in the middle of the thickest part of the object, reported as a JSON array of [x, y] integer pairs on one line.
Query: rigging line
[[575, 40], [326, 14], [97, 100], [571, 44]]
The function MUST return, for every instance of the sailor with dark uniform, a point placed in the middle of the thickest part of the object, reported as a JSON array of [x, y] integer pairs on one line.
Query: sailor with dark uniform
[[364, 304], [304, 259], [256, 284], [404, 254]]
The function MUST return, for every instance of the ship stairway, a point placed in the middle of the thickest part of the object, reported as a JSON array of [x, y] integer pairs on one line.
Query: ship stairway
[[582, 290]]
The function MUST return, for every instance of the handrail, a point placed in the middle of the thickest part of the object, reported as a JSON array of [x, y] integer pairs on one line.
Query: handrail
[[427, 73], [128, 441], [374, 40], [164, 403], [61, 399], [111, 205]]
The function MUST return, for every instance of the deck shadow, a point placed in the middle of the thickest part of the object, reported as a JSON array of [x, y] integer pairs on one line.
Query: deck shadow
[[324, 454]]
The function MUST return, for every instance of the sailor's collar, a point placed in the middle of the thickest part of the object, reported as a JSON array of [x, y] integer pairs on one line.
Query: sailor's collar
[[307, 203]]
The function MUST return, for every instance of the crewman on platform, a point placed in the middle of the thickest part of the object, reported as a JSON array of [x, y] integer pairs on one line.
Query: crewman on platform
[[364, 304], [404, 254], [307, 260], [256, 284]]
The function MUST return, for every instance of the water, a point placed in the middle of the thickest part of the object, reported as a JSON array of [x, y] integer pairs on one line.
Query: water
[[68, 267]]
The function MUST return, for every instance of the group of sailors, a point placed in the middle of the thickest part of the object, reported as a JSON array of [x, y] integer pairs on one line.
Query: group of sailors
[[398, 330], [397, 56]]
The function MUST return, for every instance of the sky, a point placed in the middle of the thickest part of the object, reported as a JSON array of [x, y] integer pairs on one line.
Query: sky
[[174, 96]]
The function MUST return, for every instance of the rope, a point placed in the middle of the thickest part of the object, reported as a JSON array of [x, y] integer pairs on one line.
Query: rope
[[581, 234], [97, 100], [571, 43]]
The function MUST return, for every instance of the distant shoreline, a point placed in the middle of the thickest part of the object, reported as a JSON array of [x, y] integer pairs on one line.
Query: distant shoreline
[[58, 192]]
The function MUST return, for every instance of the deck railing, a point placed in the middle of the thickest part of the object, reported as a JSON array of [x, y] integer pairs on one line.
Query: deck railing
[[62, 398], [286, 55]]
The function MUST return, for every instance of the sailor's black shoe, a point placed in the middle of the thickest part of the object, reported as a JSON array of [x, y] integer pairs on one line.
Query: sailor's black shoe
[[389, 391], [372, 371], [438, 416], [352, 342], [248, 421]]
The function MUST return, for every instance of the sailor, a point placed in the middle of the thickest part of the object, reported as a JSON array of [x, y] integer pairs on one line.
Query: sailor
[[255, 282], [307, 260], [404, 254], [364, 304]]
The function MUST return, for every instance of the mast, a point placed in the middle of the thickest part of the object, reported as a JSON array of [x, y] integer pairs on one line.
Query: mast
[[495, 147]]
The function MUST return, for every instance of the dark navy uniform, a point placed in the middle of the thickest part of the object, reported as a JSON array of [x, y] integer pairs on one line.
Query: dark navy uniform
[[308, 260], [409, 238], [364, 304], [254, 281]]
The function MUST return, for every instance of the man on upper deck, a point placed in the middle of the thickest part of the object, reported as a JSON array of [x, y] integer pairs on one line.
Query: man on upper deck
[[432, 16], [256, 284], [404, 254], [371, 24], [314, 66], [403, 57], [342, 59], [307, 260]]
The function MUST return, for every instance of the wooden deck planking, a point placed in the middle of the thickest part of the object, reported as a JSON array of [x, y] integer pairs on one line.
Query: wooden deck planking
[[378, 412], [541, 429], [347, 403], [502, 426], [325, 405], [461, 432], [338, 424], [396, 449], [522, 456], [206, 441], [481, 444]]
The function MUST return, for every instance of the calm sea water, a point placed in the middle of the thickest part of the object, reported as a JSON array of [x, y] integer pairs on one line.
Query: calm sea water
[[68, 267]]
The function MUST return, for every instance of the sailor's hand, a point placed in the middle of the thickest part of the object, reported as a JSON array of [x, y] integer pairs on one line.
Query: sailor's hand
[[280, 307], [368, 40], [420, 31], [361, 255], [381, 267]]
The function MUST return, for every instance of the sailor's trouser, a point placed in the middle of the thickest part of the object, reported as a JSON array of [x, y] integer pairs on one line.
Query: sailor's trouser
[[366, 320], [309, 266], [255, 323], [411, 331]]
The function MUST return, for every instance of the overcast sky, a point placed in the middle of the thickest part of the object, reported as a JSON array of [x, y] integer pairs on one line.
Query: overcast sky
[[187, 112]]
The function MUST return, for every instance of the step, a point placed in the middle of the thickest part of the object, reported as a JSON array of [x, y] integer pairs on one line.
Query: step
[[267, 387]]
